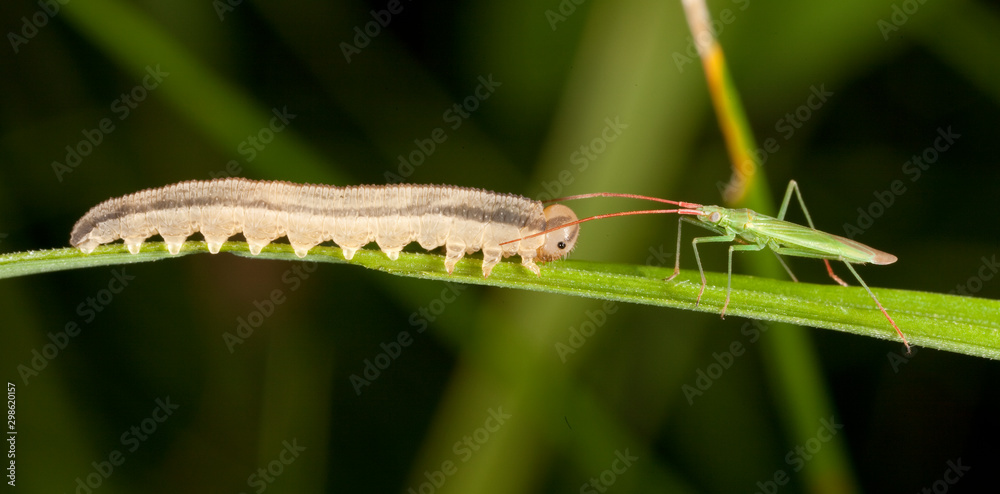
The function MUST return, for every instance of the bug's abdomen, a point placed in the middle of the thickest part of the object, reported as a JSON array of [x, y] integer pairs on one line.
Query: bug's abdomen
[[462, 219]]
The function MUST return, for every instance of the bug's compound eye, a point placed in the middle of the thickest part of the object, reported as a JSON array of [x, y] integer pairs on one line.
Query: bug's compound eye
[[709, 215], [558, 243]]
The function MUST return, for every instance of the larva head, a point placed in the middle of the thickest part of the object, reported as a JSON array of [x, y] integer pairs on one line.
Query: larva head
[[559, 242]]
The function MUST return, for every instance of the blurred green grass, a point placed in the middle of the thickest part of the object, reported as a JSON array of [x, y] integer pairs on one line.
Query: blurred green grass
[[162, 335]]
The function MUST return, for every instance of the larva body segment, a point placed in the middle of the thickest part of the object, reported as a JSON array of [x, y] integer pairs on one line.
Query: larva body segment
[[464, 220]]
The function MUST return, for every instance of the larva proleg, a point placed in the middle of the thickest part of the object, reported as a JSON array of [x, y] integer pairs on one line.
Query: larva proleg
[[464, 220]]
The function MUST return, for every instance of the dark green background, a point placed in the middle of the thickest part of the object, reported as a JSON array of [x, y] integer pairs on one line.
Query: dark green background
[[162, 335]]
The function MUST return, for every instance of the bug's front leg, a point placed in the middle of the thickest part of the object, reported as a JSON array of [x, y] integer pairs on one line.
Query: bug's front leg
[[677, 255], [729, 282], [729, 237]]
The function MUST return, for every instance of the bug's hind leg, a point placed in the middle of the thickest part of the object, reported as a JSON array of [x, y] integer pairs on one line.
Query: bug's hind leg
[[785, 265], [789, 251], [829, 270], [879, 305]]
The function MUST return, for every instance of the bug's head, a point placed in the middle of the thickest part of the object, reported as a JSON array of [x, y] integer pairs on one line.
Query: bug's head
[[559, 242], [711, 214]]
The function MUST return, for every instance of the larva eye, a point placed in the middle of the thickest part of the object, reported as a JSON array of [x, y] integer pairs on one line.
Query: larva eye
[[558, 243]]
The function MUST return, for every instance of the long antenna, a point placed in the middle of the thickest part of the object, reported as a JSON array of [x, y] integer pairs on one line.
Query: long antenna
[[627, 196], [609, 215]]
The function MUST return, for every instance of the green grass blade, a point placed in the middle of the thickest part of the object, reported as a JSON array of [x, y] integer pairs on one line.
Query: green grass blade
[[947, 322], [793, 369]]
